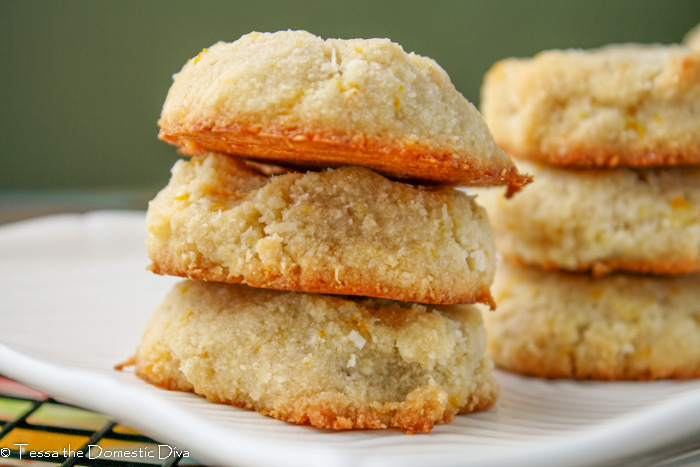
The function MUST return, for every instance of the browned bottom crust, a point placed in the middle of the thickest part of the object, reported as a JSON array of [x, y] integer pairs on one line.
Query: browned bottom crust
[[669, 267], [419, 413], [609, 157], [305, 149], [322, 283]]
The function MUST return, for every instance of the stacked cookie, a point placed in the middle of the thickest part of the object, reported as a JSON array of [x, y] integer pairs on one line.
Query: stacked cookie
[[602, 253], [326, 289]]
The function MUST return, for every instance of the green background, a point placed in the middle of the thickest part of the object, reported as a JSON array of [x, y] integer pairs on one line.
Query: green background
[[83, 82]]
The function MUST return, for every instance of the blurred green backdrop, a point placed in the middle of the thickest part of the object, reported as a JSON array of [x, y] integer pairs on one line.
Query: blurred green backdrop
[[83, 81]]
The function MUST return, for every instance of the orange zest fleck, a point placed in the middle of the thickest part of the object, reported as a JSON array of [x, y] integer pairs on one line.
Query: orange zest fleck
[[199, 55], [218, 207], [680, 203], [361, 328]]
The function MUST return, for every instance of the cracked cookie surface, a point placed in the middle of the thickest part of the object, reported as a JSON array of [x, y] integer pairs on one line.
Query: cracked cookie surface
[[341, 231]]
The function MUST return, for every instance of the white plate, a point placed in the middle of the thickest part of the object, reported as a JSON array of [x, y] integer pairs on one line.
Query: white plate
[[74, 297]]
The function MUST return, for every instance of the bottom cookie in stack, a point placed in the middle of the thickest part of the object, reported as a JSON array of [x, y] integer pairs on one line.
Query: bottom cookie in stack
[[326, 361], [618, 327]]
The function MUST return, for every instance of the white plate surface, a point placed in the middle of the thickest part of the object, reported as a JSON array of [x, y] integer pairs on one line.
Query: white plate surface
[[74, 297]]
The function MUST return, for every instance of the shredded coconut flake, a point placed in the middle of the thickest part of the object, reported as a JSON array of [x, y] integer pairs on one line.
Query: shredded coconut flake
[[357, 339]]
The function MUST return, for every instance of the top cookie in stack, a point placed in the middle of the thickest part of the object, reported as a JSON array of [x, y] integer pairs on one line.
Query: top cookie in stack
[[612, 137], [348, 124], [622, 105], [293, 99]]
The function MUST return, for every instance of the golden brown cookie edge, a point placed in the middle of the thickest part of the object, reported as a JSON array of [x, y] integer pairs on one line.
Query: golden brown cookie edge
[[303, 149], [360, 286]]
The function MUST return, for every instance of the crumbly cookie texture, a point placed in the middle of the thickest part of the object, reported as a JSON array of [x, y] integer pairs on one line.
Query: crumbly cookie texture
[[602, 220], [341, 231], [623, 105], [292, 98], [565, 325], [325, 361]]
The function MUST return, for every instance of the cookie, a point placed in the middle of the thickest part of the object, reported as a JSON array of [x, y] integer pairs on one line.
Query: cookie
[[293, 99], [564, 325], [319, 360], [341, 231], [645, 220], [623, 105]]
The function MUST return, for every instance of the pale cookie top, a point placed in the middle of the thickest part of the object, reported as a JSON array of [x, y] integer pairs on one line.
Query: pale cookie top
[[630, 105], [293, 98]]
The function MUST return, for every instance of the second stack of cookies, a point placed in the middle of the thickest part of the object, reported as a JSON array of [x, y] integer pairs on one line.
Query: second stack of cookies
[[602, 253]]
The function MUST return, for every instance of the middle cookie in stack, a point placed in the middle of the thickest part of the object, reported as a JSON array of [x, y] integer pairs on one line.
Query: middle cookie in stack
[[612, 137], [356, 111]]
